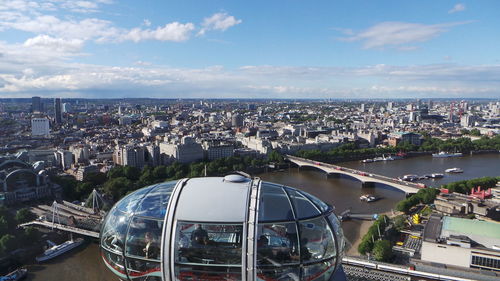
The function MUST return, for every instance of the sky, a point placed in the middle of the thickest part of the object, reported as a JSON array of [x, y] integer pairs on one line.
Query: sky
[[345, 49]]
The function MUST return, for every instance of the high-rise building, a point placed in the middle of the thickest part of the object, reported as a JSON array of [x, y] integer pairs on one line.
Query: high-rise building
[[36, 104], [57, 111], [40, 126], [66, 107], [362, 108], [237, 120], [390, 105], [467, 120]]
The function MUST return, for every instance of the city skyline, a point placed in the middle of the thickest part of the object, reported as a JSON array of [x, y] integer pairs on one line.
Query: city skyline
[[292, 50]]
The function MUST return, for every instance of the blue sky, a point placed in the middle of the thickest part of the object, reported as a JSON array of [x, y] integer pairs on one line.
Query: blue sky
[[250, 49]]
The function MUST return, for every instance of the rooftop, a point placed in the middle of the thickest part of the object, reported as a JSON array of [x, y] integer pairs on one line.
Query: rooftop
[[472, 227]]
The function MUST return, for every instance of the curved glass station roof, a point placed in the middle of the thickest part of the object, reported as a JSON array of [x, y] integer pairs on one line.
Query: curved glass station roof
[[231, 228]]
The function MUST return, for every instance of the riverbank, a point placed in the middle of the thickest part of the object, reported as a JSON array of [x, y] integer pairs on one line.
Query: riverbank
[[362, 230], [353, 248]]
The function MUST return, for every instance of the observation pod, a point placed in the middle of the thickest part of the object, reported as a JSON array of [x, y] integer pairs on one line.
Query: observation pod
[[222, 228]]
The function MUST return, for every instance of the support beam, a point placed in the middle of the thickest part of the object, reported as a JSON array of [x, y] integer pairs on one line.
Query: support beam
[[332, 175], [367, 184]]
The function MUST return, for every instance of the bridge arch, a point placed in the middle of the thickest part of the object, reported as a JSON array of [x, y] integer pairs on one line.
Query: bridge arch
[[14, 163], [364, 177], [31, 178]]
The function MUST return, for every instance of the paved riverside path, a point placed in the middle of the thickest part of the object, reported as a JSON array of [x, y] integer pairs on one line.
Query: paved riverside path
[[364, 177]]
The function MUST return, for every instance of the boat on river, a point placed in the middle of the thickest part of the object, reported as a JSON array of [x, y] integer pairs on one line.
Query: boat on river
[[454, 170], [368, 198], [443, 154], [388, 158], [56, 250], [15, 275], [409, 178]]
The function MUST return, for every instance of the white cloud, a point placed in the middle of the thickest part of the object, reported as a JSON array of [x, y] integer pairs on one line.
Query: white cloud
[[146, 22], [54, 44], [24, 71], [81, 6], [457, 8], [218, 21], [398, 34], [174, 31]]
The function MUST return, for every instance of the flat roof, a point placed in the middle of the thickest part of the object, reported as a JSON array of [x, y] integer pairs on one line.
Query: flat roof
[[432, 229], [475, 227]]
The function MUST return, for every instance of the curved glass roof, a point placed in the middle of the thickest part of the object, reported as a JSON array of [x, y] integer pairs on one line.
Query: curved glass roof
[[283, 203], [149, 201], [295, 233]]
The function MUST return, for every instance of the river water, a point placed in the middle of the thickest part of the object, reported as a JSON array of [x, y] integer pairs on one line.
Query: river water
[[85, 263]]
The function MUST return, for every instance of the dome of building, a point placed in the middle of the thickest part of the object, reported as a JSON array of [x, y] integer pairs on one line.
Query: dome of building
[[221, 228]]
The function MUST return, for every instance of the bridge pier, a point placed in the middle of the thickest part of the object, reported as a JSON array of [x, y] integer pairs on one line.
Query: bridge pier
[[367, 184]]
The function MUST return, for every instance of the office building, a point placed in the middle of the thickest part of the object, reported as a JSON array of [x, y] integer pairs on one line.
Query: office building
[[40, 127], [57, 111], [186, 152], [36, 104]]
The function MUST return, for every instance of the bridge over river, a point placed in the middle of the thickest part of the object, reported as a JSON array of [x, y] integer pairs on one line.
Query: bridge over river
[[70, 217], [59, 226], [365, 178]]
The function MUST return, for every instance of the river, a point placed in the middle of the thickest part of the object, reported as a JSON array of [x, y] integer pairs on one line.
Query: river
[[85, 263]]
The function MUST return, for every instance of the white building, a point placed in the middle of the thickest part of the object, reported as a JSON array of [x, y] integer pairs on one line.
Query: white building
[[64, 159], [186, 152], [130, 155], [125, 120], [40, 127], [467, 120], [462, 242], [217, 150]]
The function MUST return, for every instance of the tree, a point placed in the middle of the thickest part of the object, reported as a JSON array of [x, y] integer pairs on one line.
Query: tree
[[4, 226], [275, 156], [83, 189], [24, 215], [382, 250], [118, 187], [475, 132], [7, 243], [400, 222], [147, 177], [31, 235], [96, 178], [366, 245], [403, 206], [116, 172], [160, 172], [132, 173]]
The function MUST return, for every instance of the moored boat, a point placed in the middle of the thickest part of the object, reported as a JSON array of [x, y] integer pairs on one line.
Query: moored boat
[[409, 178], [15, 275], [57, 250], [436, 176], [388, 158], [443, 154], [367, 161]]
